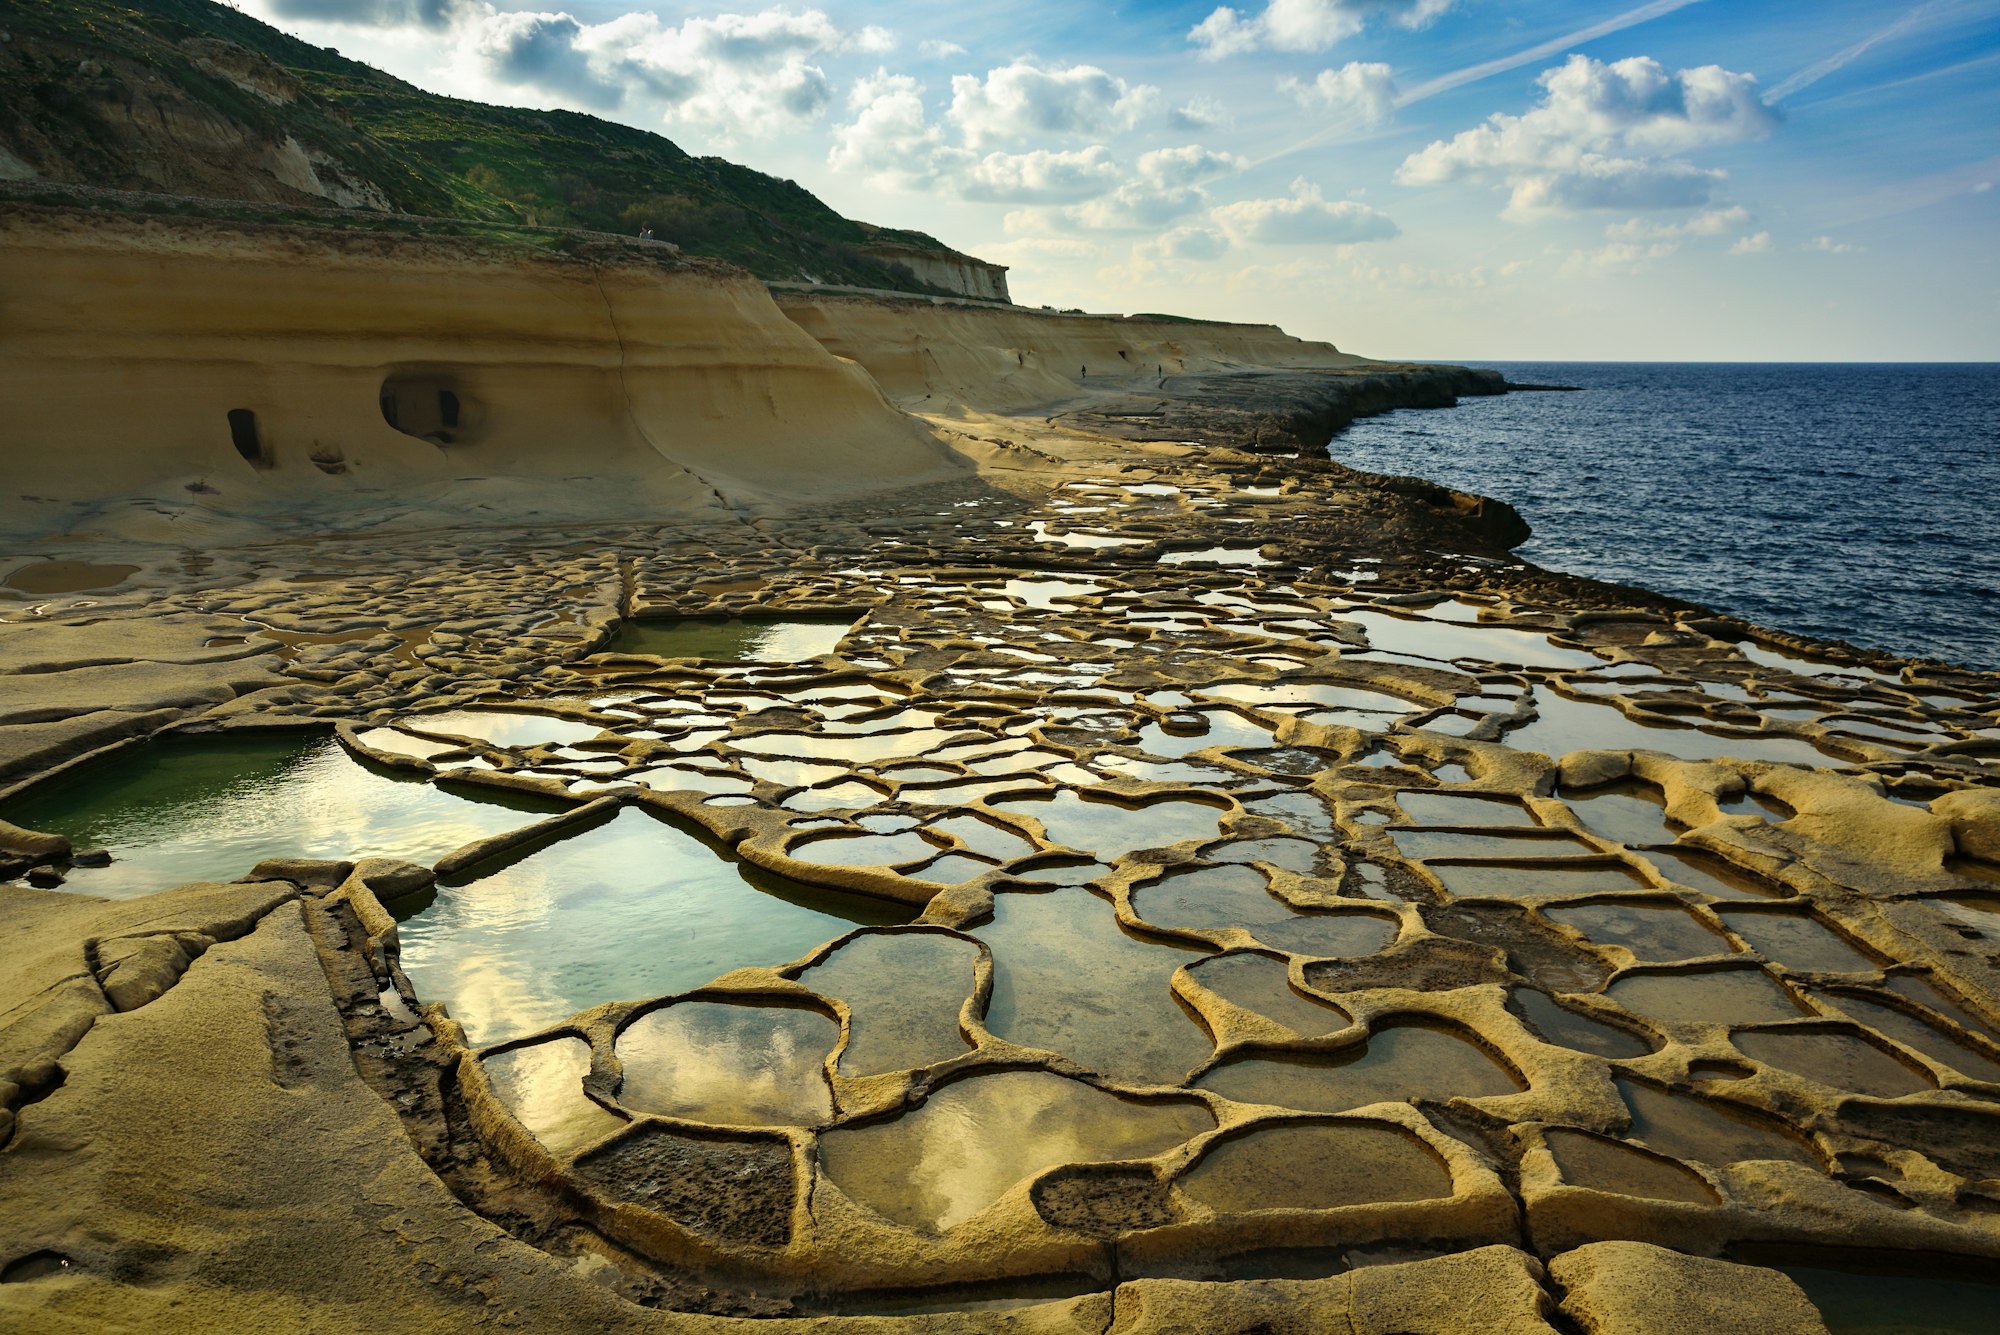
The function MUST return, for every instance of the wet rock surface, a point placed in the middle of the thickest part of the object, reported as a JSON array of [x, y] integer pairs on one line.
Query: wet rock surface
[[755, 914]]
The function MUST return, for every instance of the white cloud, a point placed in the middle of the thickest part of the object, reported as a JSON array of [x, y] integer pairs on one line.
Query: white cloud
[[1752, 245], [1303, 25], [1200, 245], [1199, 113], [933, 49], [1709, 222], [1304, 218], [1164, 187], [739, 74], [1186, 166], [874, 40], [1827, 245], [1618, 257], [1022, 102], [1603, 136], [890, 140], [1367, 91], [1040, 176]]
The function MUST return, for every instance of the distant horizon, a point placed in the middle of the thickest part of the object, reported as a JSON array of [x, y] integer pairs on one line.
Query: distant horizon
[[1677, 180], [1678, 361]]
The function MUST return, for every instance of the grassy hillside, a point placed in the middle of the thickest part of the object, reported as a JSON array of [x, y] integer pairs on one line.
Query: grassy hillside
[[187, 97]]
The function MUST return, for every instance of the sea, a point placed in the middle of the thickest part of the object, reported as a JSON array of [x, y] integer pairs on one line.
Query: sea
[[1839, 501]]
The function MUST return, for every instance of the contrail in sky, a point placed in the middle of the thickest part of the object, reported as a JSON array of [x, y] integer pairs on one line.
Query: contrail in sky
[[1812, 74], [1444, 83]]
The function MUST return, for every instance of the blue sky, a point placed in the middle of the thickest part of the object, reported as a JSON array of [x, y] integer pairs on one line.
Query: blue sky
[[1679, 179]]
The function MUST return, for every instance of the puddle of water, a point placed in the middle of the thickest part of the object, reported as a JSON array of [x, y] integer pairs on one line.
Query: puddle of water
[[1655, 933], [1712, 876], [1209, 897], [1068, 978], [940, 1164], [1475, 844], [1564, 725], [1632, 814], [983, 837], [951, 869], [1558, 1024], [505, 727], [635, 907], [209, 809], [1424, 808], [1261, 984], [398, 743], [1810, 667], [1109, 829], [955, 794], [1976, 917], [903, 992], [732, 640], [1300, 762], [1237, 896], [852, 796], [1592, 1161], [1706, 996], [1398, 1062], [1223, 556], [1074, 538], [859, 749], [1043, 594], [1528, 882], [1224, 727], [729, 1063], [1330, 935], [863, 850], [788, 773], [1304, 813], [1316, 1167], [1886, 1304], [1919, 1036], [1924, 993], [42, 578], [678, 778], [1703, 1132], [1311, 693], [1800, 942], [1295, 855], [542, 1085], [1451, 640], [1832, 1058]]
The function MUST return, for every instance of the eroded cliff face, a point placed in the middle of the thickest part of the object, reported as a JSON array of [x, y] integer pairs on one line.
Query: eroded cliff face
[[159, 371], [998, 360]]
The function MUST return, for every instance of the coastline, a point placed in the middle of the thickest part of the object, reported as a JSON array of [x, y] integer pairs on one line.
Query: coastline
[[1086, 667]]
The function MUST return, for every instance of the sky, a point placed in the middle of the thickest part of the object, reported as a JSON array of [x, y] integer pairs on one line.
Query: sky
[[1716, 180]]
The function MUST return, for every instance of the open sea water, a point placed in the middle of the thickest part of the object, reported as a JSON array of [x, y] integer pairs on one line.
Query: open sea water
[[1846, 502]]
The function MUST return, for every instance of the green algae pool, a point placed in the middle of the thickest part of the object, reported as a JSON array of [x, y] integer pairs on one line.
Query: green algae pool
[[631, 908], [211, 808]]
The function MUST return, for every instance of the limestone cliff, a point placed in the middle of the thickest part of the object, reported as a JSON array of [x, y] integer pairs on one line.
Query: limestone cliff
[[997, 360], [166, 371]]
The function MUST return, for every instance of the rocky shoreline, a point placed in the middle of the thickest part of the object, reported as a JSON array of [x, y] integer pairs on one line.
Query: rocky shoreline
[[1163, 884]]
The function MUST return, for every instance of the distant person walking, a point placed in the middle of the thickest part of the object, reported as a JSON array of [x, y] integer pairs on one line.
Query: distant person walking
[[646, 233]]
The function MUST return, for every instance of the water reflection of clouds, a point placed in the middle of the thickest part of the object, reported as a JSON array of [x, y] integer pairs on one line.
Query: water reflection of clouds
[[630, 909]]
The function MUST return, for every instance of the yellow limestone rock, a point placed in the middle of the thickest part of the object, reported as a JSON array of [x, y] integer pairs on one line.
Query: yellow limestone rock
[[1634, 1288]]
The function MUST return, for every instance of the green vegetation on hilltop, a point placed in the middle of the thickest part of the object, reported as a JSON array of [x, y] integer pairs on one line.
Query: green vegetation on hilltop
[[76, 77]]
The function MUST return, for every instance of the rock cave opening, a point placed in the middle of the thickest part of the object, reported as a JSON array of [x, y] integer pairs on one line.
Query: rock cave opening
[[428, 406], [244, 436]]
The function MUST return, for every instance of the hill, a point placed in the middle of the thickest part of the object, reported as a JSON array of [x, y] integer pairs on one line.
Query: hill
[[193, 99]]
